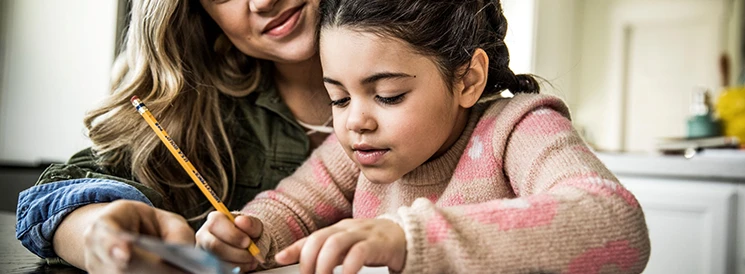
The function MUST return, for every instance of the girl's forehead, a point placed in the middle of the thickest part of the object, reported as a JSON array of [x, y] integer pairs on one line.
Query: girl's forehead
[[357, 44], [365, 37], [351, 56]]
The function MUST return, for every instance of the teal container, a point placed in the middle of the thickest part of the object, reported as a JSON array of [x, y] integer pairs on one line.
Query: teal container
[[701, 123], [702, 126]]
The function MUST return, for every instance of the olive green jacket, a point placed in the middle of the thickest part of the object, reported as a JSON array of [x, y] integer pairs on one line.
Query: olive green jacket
[[268, 146]]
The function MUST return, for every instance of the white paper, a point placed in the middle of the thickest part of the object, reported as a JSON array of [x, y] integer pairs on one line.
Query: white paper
[[294, 269]]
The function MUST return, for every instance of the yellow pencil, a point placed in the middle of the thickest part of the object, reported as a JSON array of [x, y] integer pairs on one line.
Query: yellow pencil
[[188, 167]]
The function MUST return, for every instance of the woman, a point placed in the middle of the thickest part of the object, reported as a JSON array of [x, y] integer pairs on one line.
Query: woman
[[237, 84]]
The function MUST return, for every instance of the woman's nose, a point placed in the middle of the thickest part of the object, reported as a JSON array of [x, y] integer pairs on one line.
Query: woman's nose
[[261, 5]]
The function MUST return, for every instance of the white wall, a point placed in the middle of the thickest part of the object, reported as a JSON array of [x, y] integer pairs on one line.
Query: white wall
[[556, 50], [520, 38], [736, 29], [55, 66], [542, 41], [56, 59]]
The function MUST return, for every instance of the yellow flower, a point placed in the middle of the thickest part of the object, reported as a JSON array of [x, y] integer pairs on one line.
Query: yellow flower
[[731, 109]]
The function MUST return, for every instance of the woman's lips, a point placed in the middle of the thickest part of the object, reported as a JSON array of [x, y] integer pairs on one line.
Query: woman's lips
[[370, 157], [285, 23]]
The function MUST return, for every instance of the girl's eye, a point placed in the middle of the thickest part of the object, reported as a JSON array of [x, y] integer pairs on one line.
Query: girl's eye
[[390, 100], [341, 102]]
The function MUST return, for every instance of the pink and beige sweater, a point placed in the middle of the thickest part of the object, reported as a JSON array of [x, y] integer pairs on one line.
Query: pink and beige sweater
[[519, 192]]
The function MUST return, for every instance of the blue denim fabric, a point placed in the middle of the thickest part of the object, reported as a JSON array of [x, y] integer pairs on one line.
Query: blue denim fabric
[[41, 208]]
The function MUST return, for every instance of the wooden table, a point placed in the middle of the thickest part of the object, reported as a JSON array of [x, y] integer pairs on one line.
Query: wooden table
[[14, 258]]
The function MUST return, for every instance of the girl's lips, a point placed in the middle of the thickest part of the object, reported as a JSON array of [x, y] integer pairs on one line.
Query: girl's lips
[[370, 157], [285, 23]]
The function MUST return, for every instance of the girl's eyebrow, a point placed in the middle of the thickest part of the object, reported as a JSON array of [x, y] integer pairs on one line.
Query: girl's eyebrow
[[332, 81], [384, 75], [372, 78]]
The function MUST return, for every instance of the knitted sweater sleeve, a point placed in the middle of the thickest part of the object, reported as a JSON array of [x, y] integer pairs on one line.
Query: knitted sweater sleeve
[[569, 214], [317, 195]]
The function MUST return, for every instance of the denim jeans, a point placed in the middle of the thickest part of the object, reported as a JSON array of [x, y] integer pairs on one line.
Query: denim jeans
[[41, 208]]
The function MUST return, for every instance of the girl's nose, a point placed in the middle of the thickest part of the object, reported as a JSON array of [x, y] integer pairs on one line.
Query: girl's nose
[[261, 5], [360, 120]]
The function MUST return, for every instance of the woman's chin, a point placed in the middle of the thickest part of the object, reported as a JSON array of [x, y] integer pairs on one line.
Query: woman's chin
[[297, 51], [297, 57]]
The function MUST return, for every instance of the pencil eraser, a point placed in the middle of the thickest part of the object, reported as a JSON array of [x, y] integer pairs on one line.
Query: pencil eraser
[[134, 98]]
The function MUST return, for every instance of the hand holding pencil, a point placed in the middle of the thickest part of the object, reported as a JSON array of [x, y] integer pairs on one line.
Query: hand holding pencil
[[189, 168]]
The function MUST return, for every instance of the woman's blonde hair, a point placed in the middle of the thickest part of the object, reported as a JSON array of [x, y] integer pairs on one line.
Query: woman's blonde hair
[[174, 61]]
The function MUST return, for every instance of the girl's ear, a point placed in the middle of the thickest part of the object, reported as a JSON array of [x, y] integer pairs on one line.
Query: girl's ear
[[474, 79]]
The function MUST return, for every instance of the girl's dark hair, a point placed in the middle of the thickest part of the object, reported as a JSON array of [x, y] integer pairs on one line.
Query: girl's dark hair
[[448, 30]]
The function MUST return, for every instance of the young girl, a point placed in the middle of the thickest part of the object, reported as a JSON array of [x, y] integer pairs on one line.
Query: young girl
[[439, 173]]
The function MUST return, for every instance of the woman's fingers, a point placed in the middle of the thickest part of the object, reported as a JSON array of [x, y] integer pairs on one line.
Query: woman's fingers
[[94, 264], [173, 228], [132, 216], [141, 262], [151, 267], [108, 239], [104, 242]]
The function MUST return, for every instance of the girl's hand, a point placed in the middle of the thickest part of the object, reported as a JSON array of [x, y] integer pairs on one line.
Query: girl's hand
[[230, 241], [108, 238], [352, 243]]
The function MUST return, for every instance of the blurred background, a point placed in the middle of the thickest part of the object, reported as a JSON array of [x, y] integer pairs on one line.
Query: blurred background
[[654, 86]]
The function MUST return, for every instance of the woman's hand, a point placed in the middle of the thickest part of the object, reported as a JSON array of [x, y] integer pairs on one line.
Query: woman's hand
[[230, 241], [105, 232], [353, 243]]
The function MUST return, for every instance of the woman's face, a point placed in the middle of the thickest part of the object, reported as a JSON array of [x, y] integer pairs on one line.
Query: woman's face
[[277, 30]]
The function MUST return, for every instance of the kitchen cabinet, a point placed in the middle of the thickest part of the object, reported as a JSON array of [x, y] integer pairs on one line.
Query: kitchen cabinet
[[695, 210]]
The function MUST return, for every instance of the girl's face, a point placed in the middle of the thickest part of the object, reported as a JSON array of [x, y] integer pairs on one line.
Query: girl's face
[[275, 30], [392, 109]]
